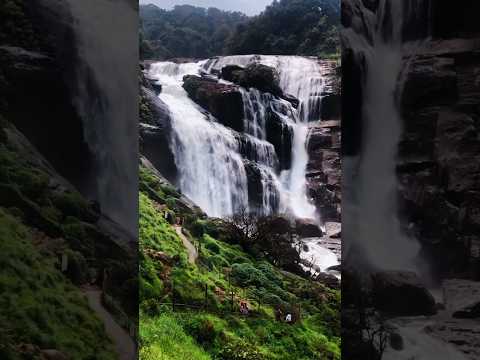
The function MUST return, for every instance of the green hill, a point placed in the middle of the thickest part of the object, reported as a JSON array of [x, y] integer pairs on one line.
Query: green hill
[[207, 323]]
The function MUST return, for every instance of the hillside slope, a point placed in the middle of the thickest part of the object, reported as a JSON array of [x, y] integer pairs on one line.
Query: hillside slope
[[199, 303]]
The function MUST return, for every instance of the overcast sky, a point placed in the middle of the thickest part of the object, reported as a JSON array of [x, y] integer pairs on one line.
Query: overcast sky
[[249, 7]]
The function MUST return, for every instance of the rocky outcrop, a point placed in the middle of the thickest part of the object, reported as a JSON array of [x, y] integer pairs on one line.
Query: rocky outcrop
[[439, 163], [50, 121], [221, 100], [155, 133], [324, 168], [438, 158], [401, 294], [280, 134], [307, 228], [258, 76]]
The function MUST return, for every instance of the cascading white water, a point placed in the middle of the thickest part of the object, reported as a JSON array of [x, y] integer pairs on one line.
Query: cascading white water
[[371, 212], [303, 78], [255, 108], [105, 36], [207, 155]]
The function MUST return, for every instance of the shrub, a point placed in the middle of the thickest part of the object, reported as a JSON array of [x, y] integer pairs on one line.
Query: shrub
[[240, 350], [73, 204], [204, 329], [213, 247], [246, 274], [197, 228]]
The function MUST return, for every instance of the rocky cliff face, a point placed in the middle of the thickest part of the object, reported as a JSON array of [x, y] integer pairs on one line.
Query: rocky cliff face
[[438, 162], [324, 168]]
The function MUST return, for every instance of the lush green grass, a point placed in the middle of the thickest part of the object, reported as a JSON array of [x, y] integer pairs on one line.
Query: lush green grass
[[39, 306], [221, 268], [163, 338]]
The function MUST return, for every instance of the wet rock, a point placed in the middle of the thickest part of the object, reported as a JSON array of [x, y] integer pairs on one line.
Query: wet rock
[[260, 182], [292, 100], [258, 76], [155, 135], [329, 280], [331, 107], [307, 228], [335, 268], [468, 312], [232, 73], [396, 341], [401, 293], [324, 168], [280, 134], [430, 81], [223, 101]]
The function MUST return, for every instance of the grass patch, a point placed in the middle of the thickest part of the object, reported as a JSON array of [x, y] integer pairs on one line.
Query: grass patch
[[162, 338], [39, 306]]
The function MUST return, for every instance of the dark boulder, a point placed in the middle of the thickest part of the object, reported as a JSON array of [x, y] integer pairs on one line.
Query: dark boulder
[[281, 224], [328, 280], [401, 293], [396, 341], [307, 228], [232, 73], [258, 76], [223, 101], [468, 312]]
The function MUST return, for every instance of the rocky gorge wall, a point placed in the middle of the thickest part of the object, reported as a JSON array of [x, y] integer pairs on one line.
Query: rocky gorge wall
[[438, 163]]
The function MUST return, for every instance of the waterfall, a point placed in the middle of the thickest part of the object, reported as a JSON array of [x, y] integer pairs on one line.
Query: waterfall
[[106, 41], [370, 209], [255, 108], [215, 162], [304, 78], [206, 153]]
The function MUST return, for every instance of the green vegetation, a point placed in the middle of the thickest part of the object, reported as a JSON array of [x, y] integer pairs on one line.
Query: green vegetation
[[287, 27], [291, 27], [211, 326], [42, 220], [185, 31], [163, 338], [39, 306]]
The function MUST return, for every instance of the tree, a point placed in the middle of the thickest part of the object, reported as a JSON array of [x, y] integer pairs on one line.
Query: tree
[[269, 237]]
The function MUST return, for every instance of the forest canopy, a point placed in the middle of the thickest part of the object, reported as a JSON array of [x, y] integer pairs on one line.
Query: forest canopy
[[286, 27]]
